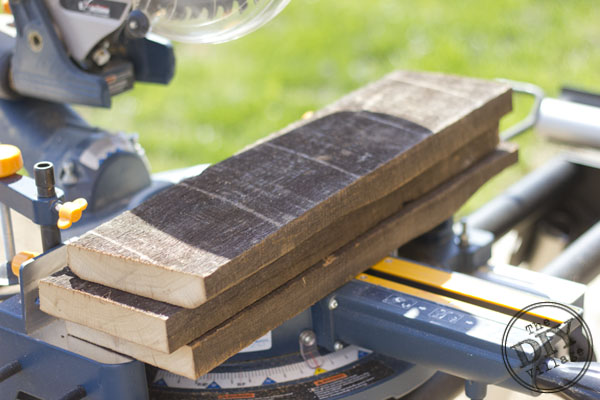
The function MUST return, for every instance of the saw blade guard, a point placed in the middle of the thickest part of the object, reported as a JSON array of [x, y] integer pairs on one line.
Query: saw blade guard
[[208, 21]]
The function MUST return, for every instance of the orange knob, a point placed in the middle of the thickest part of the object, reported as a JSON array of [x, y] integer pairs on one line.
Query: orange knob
[[70, 212], [19, 259], [11, 160]]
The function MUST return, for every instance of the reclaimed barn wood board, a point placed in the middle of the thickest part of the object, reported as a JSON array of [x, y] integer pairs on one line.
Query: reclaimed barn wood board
[[166, 327], [206, 234], [371, 97], [219, 344]]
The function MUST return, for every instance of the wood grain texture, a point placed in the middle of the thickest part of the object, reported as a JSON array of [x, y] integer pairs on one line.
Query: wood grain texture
[[165, 327], [195, 240], [222, 342]]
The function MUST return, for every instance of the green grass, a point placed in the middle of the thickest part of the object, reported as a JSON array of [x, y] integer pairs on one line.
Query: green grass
[[227, 96]]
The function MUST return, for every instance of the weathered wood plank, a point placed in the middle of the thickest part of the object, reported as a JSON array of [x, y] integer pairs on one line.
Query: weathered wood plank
[[222, 342], [196, 239], [381, 97], [165, 327]]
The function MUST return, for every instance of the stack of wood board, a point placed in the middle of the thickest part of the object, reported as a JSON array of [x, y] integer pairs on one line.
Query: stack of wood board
[[204, 268]]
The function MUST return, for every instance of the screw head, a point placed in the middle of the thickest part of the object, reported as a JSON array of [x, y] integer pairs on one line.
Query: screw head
[[308, 338], [137, 25], [337, 346], [36, 41], [333, 304]]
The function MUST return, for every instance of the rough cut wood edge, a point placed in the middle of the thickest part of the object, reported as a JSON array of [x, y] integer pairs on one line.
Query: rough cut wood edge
[[442, 82], [165, 328], [190, 290], [219, 344]]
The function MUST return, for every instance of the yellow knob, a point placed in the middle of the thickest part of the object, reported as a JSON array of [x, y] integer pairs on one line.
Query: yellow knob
[[19, 259], [11, 160], [70, 212]]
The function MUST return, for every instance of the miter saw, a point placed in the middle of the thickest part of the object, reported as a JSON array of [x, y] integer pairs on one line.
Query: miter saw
[[385, 335]]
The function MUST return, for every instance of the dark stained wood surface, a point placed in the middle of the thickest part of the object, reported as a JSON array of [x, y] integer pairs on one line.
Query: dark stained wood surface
[[222, 342], [199, 238], [165, 327]]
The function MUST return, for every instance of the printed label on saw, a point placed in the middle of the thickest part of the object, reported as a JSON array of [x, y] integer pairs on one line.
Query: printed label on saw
[[286, 373], [354, 379], [96, 8], [261, 344]]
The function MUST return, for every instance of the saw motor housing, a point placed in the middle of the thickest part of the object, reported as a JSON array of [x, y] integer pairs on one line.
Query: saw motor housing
[[60, 52]]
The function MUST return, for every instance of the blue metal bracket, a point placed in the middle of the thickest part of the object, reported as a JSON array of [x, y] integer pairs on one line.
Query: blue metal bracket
[[20, 193], [42, 69], [40, 65], [36, 368]]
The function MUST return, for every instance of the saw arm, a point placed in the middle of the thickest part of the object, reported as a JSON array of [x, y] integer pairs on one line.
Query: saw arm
[[86, 51]]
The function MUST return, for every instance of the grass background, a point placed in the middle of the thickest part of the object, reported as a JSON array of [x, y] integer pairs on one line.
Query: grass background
[[226, 96]]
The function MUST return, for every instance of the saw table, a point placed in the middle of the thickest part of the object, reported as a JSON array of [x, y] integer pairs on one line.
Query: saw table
[[397, 310]]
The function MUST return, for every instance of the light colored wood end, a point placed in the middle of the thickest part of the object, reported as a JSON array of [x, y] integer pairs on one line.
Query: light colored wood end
[[112, 318], [143, 279], [180, 362]]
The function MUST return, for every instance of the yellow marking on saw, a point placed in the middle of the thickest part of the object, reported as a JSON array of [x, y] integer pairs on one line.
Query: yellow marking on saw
[[467, 287]]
